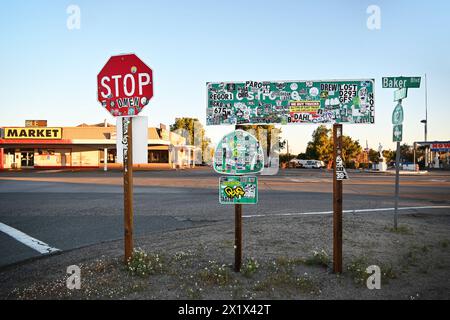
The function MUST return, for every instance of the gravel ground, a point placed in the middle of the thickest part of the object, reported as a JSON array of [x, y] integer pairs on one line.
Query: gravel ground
[[284, 258]]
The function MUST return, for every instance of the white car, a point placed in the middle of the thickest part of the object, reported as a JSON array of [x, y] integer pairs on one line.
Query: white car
[[312, 164]]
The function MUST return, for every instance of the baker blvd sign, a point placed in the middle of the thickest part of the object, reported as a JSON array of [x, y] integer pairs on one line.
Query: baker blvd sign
[[290, 102], [401, 82]]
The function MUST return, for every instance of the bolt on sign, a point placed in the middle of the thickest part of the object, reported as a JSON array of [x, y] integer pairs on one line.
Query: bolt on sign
[[238, 190], [290, 102], [239, 153], [125, 85], [401, 82]]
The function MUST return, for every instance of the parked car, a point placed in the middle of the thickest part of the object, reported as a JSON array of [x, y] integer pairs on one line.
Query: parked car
[[312, 164], [295, 163]]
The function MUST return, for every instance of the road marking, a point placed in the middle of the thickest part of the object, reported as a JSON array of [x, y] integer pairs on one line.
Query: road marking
[[344, 211], [31, 242]]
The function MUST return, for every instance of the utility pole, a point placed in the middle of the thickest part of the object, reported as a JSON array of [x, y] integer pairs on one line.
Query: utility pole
[[426, 120]]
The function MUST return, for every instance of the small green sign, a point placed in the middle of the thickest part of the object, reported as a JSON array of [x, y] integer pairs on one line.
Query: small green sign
[[401, 82], [400, 94], [238, 190], [397, 115], [397, 133], [238, 153]]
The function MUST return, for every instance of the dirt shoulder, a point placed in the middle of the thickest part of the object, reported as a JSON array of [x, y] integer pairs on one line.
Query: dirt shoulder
[[285, 258]]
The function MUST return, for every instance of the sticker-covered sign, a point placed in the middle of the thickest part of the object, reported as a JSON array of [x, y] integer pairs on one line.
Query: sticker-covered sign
[[291, 102], [238, 190], [341, 173], [238, 153]]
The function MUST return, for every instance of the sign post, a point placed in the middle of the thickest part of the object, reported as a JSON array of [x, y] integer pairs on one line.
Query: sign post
[[125, 86], [337, 199], [127, 129]]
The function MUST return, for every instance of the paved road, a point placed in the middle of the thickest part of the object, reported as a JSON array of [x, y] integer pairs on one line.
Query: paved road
[[72, 209]]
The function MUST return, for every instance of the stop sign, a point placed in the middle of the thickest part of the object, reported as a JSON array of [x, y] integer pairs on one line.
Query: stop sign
[[125, 85]]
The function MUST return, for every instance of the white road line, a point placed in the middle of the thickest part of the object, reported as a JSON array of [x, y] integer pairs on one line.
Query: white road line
[[344, 211], [31, 242]]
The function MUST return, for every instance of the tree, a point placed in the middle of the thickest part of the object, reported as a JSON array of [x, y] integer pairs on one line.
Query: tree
[[321, 146], [373, 155]]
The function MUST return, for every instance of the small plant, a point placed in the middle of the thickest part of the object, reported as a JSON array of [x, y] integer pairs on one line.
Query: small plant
[[306, 285], [319, 258], [215, 274], [143, 264], [401, 230], [249, 267], [357, 269]]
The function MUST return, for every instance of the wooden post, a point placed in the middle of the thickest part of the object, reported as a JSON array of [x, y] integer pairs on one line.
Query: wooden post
[[127, 139], [237, 237], [337, 202]]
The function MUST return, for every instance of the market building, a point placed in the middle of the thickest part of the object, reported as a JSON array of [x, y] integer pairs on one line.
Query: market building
[[85, 146]]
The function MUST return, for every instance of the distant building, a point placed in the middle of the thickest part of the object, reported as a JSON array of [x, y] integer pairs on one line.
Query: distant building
[[84, 147], [437, 155]]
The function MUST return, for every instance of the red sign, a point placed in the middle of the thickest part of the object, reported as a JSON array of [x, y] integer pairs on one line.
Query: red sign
[[125, 85]]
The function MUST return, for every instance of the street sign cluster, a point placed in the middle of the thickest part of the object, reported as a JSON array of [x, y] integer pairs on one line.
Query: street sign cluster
[[238, 153], [290, 102]]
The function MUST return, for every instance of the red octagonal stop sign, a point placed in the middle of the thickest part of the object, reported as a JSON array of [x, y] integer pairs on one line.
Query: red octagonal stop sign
[[125, 85]]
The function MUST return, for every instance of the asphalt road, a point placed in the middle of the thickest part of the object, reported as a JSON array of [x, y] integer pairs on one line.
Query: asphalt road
[[69, 210]]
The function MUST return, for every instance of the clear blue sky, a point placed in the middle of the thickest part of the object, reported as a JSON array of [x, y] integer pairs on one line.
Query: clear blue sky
[[49, 72]]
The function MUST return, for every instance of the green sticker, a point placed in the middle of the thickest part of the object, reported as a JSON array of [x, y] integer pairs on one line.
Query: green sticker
[[238, 190]]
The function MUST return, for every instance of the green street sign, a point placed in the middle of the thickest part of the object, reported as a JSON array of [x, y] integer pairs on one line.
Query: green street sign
[[397, 115], [401, 82], [238, 190], [397, 133], [238, 153], [290, 102], [400, 94]]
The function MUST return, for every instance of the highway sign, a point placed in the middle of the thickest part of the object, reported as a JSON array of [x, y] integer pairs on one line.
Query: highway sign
[[397, 114], [397, 133], [125, 85], [401, 82], [400, 94], [290, 102], [238, 153], [238, 190]]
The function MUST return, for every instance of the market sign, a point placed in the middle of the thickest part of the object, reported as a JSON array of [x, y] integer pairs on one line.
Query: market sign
[[238, 153], [291, 102], [238, 190], [401, 82], [441, 146], [44, 133], [397, 133], [125, 85]]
